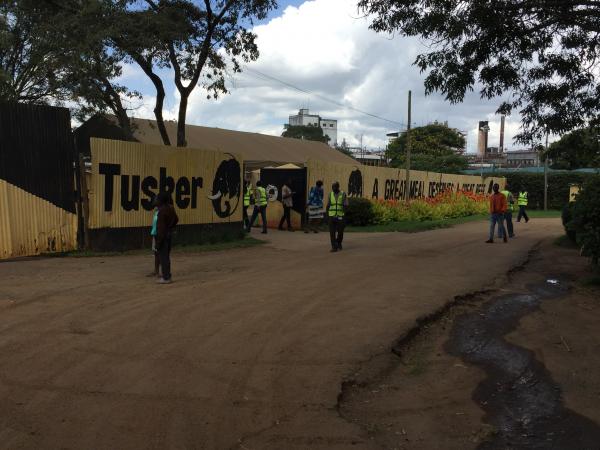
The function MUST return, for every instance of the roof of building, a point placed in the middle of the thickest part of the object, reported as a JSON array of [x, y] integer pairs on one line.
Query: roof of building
[[257, 149]]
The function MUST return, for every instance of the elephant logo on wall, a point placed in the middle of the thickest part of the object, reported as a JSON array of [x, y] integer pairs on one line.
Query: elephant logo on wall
[[226, 188], [355, 184]]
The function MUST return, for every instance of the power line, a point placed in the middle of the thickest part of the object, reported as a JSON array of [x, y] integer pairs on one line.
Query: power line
[[322, 97]]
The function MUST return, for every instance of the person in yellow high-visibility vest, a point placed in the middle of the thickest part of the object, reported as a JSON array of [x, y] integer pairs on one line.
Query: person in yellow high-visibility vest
[[522, 202], [247, 202], [260, 207], [336, 209]]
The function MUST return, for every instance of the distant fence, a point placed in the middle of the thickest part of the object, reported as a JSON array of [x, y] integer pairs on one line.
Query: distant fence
[[206, 187], [385, 183], [37, 206]]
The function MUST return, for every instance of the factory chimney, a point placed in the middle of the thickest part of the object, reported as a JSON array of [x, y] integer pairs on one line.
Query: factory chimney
[[501, 149]]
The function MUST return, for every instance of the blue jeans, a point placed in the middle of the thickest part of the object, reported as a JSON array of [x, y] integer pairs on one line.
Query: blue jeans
[[509, 225], [497, 218]]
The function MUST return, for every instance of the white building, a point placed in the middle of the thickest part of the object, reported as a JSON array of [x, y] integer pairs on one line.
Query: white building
[[305, 118]]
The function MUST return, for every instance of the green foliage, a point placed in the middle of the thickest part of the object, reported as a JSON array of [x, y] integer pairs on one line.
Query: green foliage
[[575, 150], [308, 132], [533, 183], [73, 49], [585, 220], [541, 54], [359, 212], [433, 149]]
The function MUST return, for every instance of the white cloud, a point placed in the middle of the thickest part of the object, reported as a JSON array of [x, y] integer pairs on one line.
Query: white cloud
[[325, 47]]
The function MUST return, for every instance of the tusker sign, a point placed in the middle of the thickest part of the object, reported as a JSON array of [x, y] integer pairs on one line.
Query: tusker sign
[[385, 183], [126, 177]]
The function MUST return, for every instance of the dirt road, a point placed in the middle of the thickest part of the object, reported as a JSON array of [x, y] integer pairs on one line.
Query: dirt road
[[247, 349]]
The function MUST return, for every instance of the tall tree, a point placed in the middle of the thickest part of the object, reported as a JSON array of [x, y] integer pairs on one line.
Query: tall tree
[[201, 41], [57, 52], [308, 132], [28, 66], [543, 54], [576, 150], [434, 148]]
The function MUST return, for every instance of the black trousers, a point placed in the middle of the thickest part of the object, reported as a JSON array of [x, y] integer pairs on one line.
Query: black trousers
[[164, 253], [262, 210], [286, 217], [336, 232], [522, 213]]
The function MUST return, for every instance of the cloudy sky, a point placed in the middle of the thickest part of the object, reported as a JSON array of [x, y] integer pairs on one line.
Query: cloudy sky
[[326, 48]]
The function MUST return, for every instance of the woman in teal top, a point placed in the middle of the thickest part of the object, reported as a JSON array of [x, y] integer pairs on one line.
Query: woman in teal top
[[153, 233]]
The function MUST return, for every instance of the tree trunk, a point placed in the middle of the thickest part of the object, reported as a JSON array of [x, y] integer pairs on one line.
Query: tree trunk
[[158, 113], [183, 103]]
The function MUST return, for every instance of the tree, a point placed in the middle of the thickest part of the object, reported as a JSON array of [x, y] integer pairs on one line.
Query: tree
[[27, 65], [433, 148], [200, 41], [575, 150], [308, 132], [543, 54], [55, 52]]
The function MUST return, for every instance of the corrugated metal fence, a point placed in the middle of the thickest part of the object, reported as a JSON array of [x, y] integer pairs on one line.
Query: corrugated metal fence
[[37, 208]]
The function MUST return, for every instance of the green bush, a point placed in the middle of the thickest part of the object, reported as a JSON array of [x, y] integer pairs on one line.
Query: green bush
[[585, 220], [566, 217], [359, 212], [558, 186]]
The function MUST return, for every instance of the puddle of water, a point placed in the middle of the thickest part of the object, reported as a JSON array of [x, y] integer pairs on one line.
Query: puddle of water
[[519, 396]]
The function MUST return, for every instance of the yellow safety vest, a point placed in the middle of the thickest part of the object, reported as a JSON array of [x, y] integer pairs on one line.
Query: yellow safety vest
[[507, 194], [336, 205], [262, 196], [247, 196], [522, 199]]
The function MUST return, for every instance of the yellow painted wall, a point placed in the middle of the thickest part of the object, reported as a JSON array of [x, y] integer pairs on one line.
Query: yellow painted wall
[[30, 225], [388, 183], [146, 160]]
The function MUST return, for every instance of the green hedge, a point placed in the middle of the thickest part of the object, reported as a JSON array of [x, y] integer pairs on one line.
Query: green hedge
[[359, 212], [583, 220], [558, 186]]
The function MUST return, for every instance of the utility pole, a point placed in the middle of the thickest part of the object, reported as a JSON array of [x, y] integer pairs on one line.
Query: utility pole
[[407, 181], [546, 175]]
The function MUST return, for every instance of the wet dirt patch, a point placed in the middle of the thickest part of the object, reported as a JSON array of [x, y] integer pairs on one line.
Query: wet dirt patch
[[521, 400], [421, 396]]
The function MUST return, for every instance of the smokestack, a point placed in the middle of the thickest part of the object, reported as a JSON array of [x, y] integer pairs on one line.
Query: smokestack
[[482, 140], [502, 133]]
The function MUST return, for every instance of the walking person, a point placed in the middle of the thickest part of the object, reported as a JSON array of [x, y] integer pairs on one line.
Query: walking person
[[260, 207], [315, 208], [522, 202], [498, 207], [510, 199], [336, 207], [288, 203], [165, 226], [247, 201], [153, 232]]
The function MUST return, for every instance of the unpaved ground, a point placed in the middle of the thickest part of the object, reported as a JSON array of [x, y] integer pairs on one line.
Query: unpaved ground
[[247, 349], [536, 386]]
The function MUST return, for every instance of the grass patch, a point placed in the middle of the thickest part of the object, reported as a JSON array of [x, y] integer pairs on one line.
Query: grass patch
[[539, 214], [415, 226], [190, 248]]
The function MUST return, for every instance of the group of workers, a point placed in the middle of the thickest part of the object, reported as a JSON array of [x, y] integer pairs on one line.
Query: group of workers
[[501, 212], [165, 218], [335, 209]]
